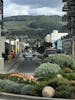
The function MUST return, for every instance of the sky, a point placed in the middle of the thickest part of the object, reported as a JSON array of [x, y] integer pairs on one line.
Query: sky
[[32, 7]]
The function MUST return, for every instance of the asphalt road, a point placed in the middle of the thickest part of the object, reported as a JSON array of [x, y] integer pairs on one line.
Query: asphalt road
[[22, 65]]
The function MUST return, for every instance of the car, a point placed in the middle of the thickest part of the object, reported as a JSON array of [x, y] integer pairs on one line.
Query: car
[[28, 55]]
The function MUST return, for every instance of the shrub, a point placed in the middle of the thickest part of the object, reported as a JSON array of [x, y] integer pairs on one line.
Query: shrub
[[10, 86], [16, 79], [2, 83], [17, 88], [70, 76], [62, 60], [55, 82], [22, 78], [27, 89], [65, 91], [2, 76], [47, 69], [67, 70]]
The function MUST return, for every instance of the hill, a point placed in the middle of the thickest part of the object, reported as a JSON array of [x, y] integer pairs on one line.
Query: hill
[[33, 26]]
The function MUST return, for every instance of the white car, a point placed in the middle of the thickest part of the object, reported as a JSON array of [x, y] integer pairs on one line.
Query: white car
[[28, 55]]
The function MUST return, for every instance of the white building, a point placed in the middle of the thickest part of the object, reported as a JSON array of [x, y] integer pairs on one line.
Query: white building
[[13, 45], [55, 35]]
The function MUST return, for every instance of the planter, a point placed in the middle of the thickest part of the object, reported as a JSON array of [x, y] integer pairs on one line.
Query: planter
[[9, 96]]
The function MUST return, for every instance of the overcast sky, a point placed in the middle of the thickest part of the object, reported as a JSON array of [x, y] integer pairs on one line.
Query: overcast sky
[[32, 7]]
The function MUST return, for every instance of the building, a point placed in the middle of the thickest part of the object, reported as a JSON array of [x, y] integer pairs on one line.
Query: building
[[2, 39], [12, 45], [1, 15], [69, 8], [56, 38], [1, 28], [69, 40]]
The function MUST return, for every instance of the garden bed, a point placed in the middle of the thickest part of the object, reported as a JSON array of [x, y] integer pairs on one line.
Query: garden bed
[[54, 78]]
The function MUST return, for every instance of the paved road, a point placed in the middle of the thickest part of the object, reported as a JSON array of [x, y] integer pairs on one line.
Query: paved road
[[23, 65]]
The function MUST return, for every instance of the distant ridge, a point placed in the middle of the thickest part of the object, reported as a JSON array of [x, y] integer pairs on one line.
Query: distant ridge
[[33, 26]]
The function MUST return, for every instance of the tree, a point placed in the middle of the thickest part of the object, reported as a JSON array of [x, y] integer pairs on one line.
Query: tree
[[48, 44]]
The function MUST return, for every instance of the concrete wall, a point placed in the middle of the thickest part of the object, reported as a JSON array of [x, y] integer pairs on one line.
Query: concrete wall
[[25, 97]]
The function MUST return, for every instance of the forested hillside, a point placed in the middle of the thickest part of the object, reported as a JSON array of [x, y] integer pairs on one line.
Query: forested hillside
[[33, 26]]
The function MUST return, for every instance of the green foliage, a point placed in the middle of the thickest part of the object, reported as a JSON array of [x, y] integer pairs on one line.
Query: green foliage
[[55, 82], [32, 25], [63, 88], [16, 79], [62, 60], [2, 76], [2, 83], [67, 70], [17, 88], [65, 91], [21, 80], [27, 89], [47, 69], [10, 86], [70, 76]]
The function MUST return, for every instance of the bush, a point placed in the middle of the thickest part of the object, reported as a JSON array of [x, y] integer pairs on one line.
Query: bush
[[2, 83], [55, 82], [47, 69], [70, 76], [2, 76], [10, 86], [62, 60], [65, 91], [63, 87], [16, 79], [67, 70], [22, 78], [17, 88], [27, 89]]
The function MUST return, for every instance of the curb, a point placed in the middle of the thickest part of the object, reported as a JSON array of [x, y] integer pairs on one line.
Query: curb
[[9, 96]]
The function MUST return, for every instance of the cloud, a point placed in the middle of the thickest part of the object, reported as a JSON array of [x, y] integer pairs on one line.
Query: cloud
[[45, 11], [13, 7], [39, 3]]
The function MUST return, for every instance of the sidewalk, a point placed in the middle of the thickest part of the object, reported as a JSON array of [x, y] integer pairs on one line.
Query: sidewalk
[[13, 63]]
